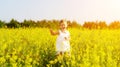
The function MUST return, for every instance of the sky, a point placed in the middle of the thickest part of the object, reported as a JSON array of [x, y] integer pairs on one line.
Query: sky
[[74, 10]]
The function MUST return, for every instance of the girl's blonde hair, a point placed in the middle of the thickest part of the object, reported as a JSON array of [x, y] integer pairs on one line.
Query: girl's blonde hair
[[63, 21]]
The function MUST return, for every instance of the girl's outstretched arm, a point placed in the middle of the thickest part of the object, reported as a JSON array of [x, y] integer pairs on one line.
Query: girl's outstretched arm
[[53, 32]]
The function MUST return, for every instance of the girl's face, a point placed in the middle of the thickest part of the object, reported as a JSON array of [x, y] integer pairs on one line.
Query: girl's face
[[63, 25]]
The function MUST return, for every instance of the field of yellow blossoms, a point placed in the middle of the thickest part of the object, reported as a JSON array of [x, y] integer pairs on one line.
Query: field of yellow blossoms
[[35, 47]]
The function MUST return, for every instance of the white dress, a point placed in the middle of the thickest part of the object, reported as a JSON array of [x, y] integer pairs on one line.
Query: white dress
[[63, 45]]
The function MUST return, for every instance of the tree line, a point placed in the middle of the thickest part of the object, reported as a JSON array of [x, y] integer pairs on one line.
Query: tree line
[[54, 24]]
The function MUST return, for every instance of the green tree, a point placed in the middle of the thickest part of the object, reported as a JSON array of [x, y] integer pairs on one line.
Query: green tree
[[13, 24], [2, 24], [28, 23], [102, 25], [114, 25], [75, 24]]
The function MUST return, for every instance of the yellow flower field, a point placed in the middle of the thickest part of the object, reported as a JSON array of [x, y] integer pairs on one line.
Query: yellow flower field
[[35, 47]]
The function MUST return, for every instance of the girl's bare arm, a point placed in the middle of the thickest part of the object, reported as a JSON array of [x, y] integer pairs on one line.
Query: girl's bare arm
[[53, 32]]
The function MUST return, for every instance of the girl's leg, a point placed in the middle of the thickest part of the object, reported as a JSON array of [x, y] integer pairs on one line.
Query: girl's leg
[[59, 53]]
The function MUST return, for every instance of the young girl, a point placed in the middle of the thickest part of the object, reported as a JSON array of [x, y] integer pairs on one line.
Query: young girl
[[62, 42]]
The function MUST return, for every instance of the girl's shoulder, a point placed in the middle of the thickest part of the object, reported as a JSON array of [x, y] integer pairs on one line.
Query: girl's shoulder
[[67, 31], [59, 31]]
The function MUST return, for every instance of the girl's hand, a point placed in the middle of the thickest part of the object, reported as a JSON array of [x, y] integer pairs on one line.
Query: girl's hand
[[66, 38], [51, 30]]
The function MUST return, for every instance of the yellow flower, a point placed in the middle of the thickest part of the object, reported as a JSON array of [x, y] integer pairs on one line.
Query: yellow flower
[[51, 62], [55, 60], [61, 66]]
